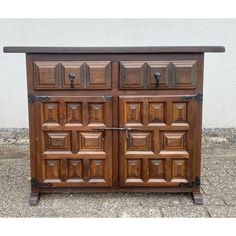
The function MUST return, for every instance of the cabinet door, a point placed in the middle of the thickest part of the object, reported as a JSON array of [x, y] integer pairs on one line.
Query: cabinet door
[[71, 152], [159, 150]]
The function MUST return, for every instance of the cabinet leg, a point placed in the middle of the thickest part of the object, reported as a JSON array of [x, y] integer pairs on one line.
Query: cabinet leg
[[34, 199], [197, 198]]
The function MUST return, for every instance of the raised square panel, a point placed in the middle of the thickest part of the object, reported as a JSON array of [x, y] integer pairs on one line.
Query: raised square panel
[[178, 169], [52, 169], [96, 113], [51, 112], [74, 112], [179, 112], [156, 169], [57, 141], [91, 141], [173, 140], [134, 169], [157, 113], [133, 113], [162, 67], [132, 74], [98, 75], [185, 74], [78, 69], [140, 141], [97, 169], [75, 169], [46, 74]]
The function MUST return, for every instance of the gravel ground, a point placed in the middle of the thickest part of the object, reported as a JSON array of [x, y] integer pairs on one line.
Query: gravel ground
[[218, 186]]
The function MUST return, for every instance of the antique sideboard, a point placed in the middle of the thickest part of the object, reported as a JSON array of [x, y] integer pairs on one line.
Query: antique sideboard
[[107, 119]]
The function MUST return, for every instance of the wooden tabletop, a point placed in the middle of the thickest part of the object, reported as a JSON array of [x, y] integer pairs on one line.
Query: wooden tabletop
[[114, 50]]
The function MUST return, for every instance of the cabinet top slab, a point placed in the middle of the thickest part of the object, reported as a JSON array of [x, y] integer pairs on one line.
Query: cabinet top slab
[[114, 50]]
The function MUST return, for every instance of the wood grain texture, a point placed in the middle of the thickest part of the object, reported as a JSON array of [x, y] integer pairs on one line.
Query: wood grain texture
[[115, 87]]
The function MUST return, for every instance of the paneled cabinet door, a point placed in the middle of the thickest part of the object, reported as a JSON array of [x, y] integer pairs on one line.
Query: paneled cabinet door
[[73, 152], [158, 151]]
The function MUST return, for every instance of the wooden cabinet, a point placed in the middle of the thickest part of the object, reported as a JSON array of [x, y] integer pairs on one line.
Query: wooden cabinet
[[115, 119]]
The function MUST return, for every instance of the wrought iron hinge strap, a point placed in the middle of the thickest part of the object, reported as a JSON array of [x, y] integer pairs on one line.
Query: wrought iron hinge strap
[[197, 98], [32, 98], [194, 183], [36, 184]]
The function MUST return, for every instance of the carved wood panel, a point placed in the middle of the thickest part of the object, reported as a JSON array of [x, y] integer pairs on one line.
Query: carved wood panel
[[159, 151], [54, 75], [73, 152], [180, 74]]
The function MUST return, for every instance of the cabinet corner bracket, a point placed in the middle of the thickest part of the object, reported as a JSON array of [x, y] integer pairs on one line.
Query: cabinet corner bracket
[[198, 98], [32, 98], [195, 183], [36, 184]]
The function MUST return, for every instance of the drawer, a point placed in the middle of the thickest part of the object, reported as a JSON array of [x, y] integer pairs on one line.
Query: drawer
[[56, 75], [179, 74]]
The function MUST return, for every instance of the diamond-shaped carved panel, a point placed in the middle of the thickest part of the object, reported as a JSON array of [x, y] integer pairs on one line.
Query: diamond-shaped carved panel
[[132, 74], [134, 113], [140, 141], [134, 169], [185, 74], [75, 169], [157, 113], [179, 169], [51, 112], [173, 140], [57, 141], [52, 169], [98, 75], [179, 112], [46, 74], [74, 112], [97, 169], [96, 113], [156, 169], [91, 141]]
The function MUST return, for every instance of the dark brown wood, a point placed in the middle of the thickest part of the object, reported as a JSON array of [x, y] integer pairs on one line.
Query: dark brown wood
[[77, 91], [118, 50]]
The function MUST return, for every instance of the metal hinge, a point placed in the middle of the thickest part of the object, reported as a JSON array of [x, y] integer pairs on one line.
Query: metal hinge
[[194, 183], [36, 184], [197, 98], [32, 98]]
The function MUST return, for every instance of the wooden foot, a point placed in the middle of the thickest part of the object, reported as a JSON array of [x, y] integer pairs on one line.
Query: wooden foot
[[197, 198], [34, 199]]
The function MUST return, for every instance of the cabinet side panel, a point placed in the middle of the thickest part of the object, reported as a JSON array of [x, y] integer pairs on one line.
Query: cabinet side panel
[[32, 119]]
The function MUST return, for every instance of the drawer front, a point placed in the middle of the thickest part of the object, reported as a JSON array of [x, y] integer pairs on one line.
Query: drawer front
[[179, 74], [56, 75]]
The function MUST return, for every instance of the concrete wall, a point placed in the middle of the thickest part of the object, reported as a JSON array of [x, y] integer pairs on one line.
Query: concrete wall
[[220, 69]]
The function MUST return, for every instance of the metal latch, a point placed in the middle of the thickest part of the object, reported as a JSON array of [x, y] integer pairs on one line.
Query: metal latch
[[194, 183], [197, 98]]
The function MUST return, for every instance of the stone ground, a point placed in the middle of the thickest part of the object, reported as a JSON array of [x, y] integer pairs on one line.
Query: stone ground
[[218, 186]]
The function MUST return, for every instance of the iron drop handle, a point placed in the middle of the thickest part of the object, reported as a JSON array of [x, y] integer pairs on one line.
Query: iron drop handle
[[72, 78], [157, 76]]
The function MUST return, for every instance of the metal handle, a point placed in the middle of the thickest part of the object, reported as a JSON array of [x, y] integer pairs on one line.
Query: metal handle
[[157, 76], [72, 78]]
